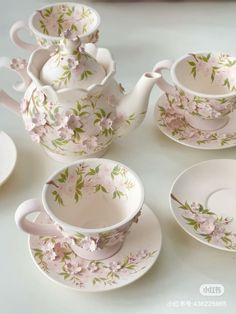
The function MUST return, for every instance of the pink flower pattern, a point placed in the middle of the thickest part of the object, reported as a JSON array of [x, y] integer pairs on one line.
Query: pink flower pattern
[[106, 123], [73, 268], [54, 254], [208, 225], [172, 118], [218, 70], [92, 267], [90, 143], [18, 64], [73, 122], [65, 133], [66, 18], [73, 63], [39, 119], [115, 266], [175, 122], [37, 133], [113, 181], [90, 243]]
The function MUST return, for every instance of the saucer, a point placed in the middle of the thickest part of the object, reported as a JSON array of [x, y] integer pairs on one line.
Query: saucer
[[8, 157], [55, 258], [171, 121], [203, 202]]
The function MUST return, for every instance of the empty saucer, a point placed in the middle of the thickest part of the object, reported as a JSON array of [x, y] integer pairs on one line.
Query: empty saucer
[[203, 202], [55, 258], [8, 156], [171, 121]]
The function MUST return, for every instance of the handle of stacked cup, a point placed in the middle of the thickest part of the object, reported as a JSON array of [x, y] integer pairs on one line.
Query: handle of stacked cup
[[162, 83], [17, 41]]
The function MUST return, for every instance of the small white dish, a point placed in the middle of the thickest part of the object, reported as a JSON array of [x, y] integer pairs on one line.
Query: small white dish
[[8, 156], [171, 121], [55, 258], [203, 202]]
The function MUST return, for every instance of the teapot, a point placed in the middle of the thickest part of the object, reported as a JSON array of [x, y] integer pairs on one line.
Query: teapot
[[72, 104]]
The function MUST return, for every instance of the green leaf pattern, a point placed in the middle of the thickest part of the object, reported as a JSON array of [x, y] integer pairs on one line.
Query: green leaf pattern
[[114, 182], [172, 119], [55, 256], [96, 121], [56, 19], [208, 225], [213, 66]]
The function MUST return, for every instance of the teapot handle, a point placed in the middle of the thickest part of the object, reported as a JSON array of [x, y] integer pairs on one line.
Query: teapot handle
[[20, 66], [16, 27], [162, 83]]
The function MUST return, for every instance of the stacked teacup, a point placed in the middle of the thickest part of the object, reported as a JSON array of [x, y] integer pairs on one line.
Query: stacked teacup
[[50, 22]]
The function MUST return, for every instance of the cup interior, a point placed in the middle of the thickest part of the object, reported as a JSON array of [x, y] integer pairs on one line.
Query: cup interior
[[92, 194], [55, 19], [207, 73]]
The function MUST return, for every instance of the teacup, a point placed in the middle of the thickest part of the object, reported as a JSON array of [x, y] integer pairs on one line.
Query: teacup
[[204, 85], [92, 204], [50, 22]]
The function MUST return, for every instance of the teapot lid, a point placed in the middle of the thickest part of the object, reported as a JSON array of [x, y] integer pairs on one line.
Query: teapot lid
[[69, 66]]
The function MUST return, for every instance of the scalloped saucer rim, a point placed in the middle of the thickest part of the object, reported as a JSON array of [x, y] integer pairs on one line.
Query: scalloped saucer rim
[[8, 156], [208, 143], [139, 252]]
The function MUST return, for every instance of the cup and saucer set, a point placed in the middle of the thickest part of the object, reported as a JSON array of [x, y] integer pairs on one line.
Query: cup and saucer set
[[198, 110], [90, 233]]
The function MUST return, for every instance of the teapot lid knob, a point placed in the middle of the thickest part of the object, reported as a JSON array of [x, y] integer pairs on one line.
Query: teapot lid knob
[[70, 42]]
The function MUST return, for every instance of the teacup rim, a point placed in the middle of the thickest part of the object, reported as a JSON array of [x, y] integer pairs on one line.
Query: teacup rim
[[190, 91], [75, 228], [54, 4]]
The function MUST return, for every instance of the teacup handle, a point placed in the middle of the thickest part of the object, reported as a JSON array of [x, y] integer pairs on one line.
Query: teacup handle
[[32, 206], [162, 83], [16, 27]]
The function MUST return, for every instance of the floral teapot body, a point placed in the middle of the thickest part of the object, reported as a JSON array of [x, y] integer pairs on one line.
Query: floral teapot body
[[72, 105]]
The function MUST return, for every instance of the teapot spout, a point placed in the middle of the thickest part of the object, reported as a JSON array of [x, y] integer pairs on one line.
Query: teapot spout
[[133, 106]]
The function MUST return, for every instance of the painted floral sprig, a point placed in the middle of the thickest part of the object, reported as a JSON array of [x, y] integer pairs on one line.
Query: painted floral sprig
[[56, 19], [220, 68], [207, 224], [53, 253], [172, 117], [99, 179]]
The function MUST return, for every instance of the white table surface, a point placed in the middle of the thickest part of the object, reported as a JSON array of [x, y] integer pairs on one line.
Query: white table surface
[[139, 35]]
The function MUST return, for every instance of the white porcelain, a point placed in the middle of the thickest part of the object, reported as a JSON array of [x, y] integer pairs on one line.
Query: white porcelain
[[70, 66], [205, 85], [203, 202], [171, 120], [136, 257], [92, 202], [83, 115], [49, 22], [8, 157]]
